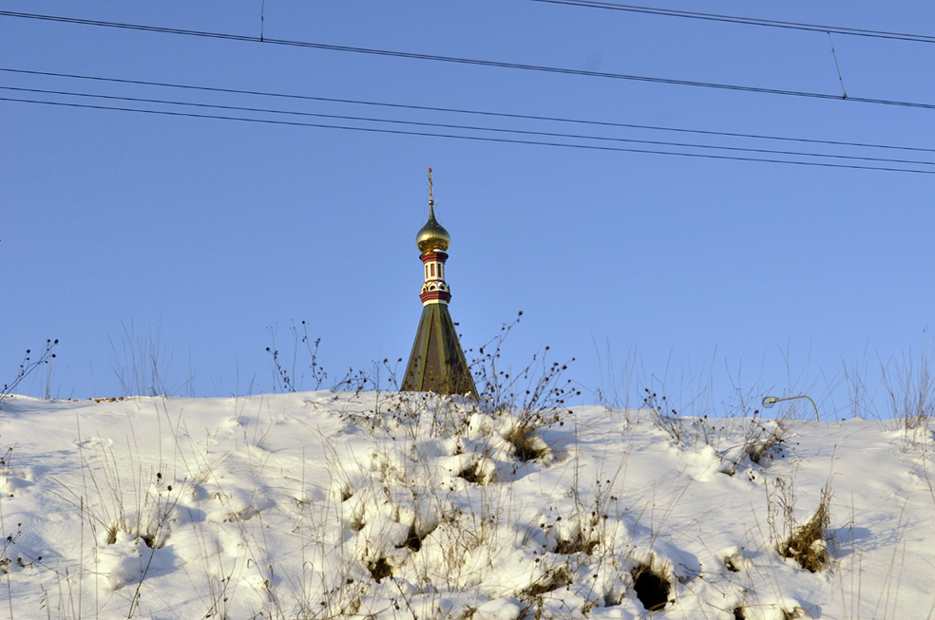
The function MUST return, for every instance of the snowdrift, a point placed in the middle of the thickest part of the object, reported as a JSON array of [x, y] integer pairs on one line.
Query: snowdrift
[[387, 505]]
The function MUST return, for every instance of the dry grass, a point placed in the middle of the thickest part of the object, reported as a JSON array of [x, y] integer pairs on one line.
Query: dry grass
[[808, 543], [909, 386], [526, 442], [32, 362]]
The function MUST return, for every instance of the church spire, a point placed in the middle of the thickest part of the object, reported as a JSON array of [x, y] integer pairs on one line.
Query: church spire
[[437, 363]]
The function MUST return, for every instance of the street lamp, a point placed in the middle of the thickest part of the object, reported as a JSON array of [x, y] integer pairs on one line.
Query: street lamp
[[769, 401]]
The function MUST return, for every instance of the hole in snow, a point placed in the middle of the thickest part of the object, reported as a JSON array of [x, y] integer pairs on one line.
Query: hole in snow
[[413, 540], [470, 473], [650, 588]]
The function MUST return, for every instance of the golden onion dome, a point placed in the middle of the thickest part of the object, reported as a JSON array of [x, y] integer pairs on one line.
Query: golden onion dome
[[433, 235]]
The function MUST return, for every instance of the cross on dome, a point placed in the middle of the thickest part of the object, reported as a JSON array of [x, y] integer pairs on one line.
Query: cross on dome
[[433, 235]]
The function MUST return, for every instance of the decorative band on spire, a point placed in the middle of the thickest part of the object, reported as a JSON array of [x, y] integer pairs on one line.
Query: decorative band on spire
[[435, 289]]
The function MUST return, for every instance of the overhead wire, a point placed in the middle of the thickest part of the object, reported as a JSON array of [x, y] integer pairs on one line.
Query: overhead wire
[[466, 137], [470, 61], [482, 113], [750, 21], [450, 126]]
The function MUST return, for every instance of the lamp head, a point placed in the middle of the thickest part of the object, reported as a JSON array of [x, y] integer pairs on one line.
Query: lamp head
[[769, 401]]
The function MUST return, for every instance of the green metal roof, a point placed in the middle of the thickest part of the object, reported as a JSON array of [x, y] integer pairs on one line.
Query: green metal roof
[[437, 363]]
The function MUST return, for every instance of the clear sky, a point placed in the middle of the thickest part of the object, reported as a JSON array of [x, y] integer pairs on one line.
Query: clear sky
[[203, 235]]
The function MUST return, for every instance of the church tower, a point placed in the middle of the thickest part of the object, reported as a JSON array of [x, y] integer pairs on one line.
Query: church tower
[[437, 363]]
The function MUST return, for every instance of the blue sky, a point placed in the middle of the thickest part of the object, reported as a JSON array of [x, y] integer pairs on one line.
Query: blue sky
[[205, 234]]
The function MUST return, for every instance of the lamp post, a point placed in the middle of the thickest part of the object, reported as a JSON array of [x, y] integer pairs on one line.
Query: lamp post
[[769, 401]]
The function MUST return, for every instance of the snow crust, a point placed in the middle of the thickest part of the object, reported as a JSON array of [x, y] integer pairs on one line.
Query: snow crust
[[376, 505]]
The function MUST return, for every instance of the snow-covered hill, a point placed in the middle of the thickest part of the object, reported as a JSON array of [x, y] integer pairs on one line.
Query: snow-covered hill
[[382, 505]]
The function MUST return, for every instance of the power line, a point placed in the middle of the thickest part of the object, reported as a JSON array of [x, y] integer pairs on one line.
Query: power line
[[447, 126], [472, 61], [750, 21], [468, 137], [487, 113]]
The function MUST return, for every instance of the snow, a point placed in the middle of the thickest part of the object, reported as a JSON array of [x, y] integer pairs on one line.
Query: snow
[[385, 505]]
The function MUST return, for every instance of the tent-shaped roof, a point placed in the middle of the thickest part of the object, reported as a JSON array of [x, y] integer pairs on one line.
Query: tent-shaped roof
[[437, 363]]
